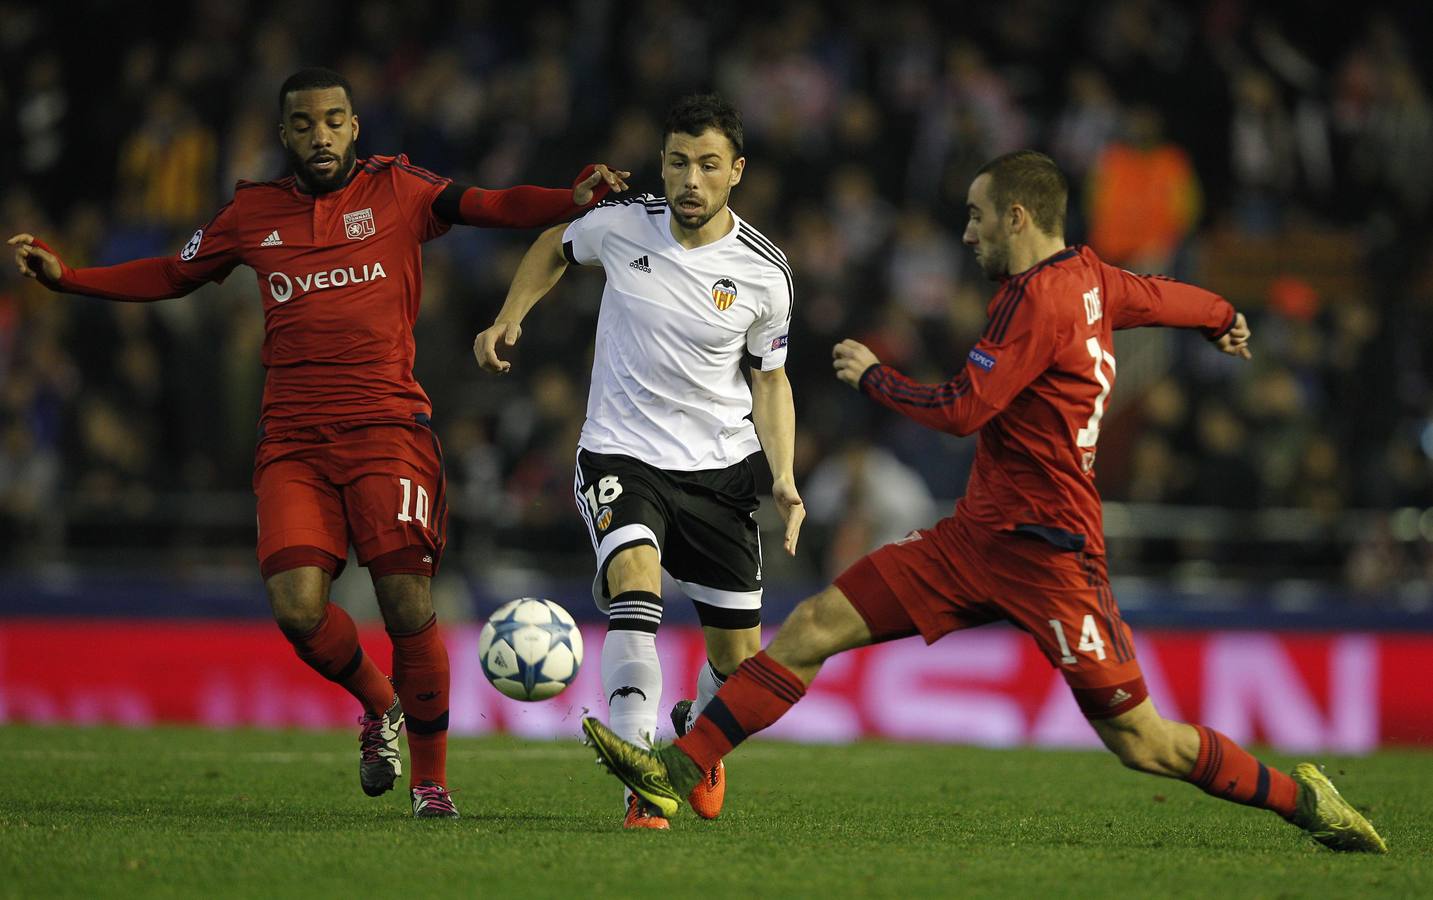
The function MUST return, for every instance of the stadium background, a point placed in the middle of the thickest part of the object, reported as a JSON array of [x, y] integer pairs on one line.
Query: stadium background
[[1271, 524]]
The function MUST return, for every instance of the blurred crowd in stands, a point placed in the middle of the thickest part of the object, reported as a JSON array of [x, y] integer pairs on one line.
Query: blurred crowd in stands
[[1279, 157]]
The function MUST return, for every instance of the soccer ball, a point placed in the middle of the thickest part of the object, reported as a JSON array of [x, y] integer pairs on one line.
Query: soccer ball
[[530, 649]]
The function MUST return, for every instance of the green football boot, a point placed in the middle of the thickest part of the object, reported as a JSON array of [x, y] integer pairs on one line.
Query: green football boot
[[1328, 818], [644, 771]]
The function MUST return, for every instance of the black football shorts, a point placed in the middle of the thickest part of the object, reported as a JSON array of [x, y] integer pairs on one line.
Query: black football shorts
[[701, 523]]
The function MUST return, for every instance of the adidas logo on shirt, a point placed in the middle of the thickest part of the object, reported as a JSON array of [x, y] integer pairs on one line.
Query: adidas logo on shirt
[[641, 265], [273, 240]]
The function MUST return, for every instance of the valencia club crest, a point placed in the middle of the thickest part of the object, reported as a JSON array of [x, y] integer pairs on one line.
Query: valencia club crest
[[724, 293]]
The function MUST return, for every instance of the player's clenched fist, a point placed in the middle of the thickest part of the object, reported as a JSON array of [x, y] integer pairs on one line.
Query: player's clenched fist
[[485, 346], [1235, 341], [34, 259], [851, 359]]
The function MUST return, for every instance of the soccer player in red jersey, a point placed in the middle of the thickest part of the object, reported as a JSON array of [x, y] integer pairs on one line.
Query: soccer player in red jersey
[[1025, 544], [346, 451]]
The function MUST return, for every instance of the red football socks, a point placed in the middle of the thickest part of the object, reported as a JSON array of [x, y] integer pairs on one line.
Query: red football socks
[[758, 693], [1226, 770], [420, 672], [332, 650]]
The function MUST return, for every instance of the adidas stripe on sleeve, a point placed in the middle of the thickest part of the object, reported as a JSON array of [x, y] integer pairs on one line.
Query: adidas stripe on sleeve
[[582, 241], [767, 337]]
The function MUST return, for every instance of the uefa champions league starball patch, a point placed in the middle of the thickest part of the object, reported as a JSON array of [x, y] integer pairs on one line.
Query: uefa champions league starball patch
[[191, 249]]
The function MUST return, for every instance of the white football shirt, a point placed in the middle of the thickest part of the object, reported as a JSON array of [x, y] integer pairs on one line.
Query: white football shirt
[[667, 387]]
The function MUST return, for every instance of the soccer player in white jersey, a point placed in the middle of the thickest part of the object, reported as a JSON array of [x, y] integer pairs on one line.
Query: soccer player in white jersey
[[664, 463]]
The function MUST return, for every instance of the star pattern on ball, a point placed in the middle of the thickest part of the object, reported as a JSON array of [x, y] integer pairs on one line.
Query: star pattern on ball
[[557, 633], [531, 649]]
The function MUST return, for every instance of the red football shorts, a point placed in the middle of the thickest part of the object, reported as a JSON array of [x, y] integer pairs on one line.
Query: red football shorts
[[957, 575], [377, 487]]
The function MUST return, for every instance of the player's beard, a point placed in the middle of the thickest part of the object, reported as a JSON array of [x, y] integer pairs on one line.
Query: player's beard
[[323, 184], [696, 222], [994, 260]]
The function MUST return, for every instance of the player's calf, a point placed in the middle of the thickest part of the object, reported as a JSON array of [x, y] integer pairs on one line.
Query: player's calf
[[1146, 742], [332, 650], [817, 629]]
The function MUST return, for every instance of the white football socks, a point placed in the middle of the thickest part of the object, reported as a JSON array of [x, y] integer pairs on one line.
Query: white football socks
[[708, 683], [632, 683]]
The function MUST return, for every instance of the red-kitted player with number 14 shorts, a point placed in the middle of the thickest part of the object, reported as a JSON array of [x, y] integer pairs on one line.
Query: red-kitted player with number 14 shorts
[[1026, 542]]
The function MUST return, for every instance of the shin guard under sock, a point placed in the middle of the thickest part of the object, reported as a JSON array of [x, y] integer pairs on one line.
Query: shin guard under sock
[[420, 672]]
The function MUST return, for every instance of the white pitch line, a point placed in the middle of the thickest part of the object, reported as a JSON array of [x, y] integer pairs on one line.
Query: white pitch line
[[284, 756], [556, 751]]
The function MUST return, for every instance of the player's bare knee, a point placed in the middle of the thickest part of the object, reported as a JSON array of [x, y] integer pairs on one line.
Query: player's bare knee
[[806, 637], [726, 661], [727, 654], [297, 598], [405, 601], [298, 617], [634, 569], [297, 603]]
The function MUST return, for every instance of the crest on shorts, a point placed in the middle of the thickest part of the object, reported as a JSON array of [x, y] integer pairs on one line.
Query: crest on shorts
[[604, 518], [359, 225], [724, 293]]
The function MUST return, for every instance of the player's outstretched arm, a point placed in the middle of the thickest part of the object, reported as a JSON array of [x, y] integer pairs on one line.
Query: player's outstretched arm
[[541, 267], [141, 280], [957, 406], [525, 205], [1137, 301], [774, 413]]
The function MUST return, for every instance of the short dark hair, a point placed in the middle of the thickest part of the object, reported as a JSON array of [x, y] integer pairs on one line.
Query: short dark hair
[[695, 113], [311, 78], [1031, 179]]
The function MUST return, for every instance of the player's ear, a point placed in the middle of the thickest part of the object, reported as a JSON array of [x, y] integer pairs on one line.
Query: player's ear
[[283, 136], [354, 120], [736, 169], [1018, 218]]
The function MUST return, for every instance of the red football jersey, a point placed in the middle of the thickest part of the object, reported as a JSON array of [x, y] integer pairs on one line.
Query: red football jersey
[[341, 277], [1037, 385]]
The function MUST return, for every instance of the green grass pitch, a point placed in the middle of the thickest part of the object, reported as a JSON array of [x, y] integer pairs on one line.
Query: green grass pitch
[[101, 812]]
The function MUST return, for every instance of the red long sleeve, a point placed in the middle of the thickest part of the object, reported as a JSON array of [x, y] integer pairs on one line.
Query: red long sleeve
[[142, 280], [1139, 300], [1019, 336], [210, 255], [525, 206], [948, 407]]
